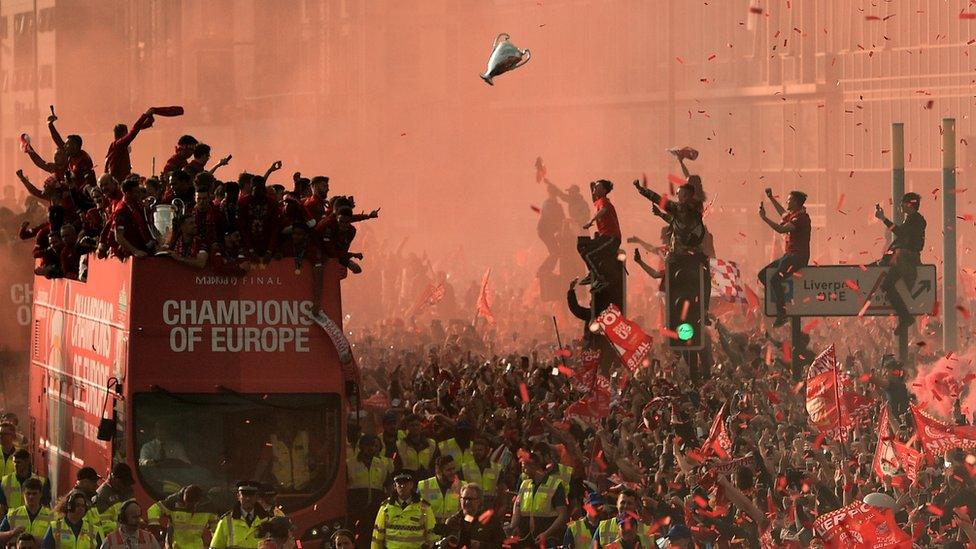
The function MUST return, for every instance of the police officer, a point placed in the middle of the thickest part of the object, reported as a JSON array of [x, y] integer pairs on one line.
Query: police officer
[[580, 533], [32, 517], [11, 486], [239, 527], [903, 256], [186, 520], [404, 521], [541, 508], [443, 490]]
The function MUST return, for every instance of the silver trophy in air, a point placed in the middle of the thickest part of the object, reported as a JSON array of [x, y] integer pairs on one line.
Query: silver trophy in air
[[504, 57], [163, 221]]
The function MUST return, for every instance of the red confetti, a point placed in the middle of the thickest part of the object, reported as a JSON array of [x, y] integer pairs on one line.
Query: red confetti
[[967, 15], [929, 104], [935, 509], [565, 371], [525, 392], [676, 179], [755, 9], [852, 285], [840, 201], [872, 18], [810, 325], [564, 353], [535, 209], [963, 311]]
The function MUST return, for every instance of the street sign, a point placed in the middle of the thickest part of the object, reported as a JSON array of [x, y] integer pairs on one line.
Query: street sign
[[841, 290]]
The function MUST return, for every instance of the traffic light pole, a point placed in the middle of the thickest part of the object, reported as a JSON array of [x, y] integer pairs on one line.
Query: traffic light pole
[[897, 192]]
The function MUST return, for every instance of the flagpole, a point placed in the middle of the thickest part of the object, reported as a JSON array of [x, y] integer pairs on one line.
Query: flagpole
[[840, 415], [559, 340]]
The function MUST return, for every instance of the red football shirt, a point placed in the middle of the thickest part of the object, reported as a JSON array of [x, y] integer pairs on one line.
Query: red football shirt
[[607, 225], [798, 240]]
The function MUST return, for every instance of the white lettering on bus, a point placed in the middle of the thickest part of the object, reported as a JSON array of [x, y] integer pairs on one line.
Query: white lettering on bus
[[89, 326], [239, 325]]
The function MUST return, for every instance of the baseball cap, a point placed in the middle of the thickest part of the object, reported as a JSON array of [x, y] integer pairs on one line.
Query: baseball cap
[[123, 472], [679, 531], [88, 473], [595, 499]]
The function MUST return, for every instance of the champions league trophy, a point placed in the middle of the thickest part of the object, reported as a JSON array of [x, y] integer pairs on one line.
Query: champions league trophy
[[504, 57], [163, 217]]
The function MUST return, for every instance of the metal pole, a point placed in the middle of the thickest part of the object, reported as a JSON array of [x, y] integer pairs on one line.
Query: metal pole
[[949, 331], [897, 191]]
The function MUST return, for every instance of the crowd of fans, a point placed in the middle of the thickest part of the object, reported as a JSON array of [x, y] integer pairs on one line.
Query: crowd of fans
[[186, 213], [490, 434]]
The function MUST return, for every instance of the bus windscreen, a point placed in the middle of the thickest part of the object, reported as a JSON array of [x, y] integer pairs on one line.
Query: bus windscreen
[[287, 442]]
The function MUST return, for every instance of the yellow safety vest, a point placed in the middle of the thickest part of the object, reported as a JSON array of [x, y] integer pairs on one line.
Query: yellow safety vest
[[290, 463], [487, 479], [185, 528], [37, 527], [360, 477], [7, 464], [582, 538], [609, 532], [537, 502], [14, 491], [443, 505], [450, 447], [409, 527], [401, 434], [232, 533], [414, 460], [64, 537], [565, 474], [107, 522]]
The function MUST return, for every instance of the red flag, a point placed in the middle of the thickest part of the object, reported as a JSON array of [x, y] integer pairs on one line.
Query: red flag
[[484, 304], [886, 462], [936, 436], [432, 295], [718, 443], [861, 526], [830, 407], [910, 459], [631, 343], [168, 111]]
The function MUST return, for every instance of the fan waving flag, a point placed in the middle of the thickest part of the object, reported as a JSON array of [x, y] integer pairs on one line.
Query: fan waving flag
[[936, 436], [484, 304], [631, 343], [727, 281], [860, 526], [718, 443], [891, 456], [831, 409]]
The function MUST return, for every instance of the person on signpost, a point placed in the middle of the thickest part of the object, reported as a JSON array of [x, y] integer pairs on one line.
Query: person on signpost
[[795, 225], [903, 256]]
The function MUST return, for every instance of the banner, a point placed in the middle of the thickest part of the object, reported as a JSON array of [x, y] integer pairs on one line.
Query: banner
[[631, 343], [936, 436], [891, 456], [727, 281], [860, 526]]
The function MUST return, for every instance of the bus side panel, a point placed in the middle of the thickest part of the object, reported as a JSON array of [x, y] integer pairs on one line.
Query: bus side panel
[[79, 337]]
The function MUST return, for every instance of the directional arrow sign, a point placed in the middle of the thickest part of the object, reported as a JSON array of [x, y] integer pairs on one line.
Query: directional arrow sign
[[841, 290]]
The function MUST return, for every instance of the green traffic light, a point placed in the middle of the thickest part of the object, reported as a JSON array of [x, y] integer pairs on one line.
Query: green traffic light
[[685, 331]]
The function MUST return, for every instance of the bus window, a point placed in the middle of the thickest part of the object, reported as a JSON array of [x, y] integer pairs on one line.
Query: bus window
[[289, 441]]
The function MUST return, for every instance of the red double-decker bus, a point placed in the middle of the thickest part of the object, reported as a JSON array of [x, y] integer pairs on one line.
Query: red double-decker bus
[[211, 379]]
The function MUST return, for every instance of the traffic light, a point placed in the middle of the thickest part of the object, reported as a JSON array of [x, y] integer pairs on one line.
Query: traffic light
[[686, 287]]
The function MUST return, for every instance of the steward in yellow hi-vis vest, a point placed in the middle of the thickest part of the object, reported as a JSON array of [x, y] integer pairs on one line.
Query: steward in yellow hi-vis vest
[[405, 521], [32, 516], [443, 490], [580, 534], [541, 507], [415, 452], [12, 485], [71, 529], [238, 529], [182, 519]]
